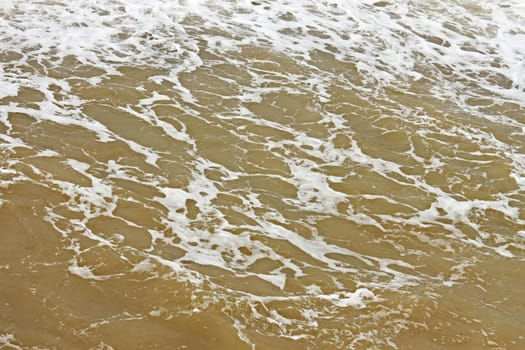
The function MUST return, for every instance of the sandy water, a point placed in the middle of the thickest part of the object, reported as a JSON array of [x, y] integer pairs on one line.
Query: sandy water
[[262, 175]]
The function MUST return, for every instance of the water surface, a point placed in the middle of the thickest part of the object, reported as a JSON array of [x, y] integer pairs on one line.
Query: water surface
[[262, 174]]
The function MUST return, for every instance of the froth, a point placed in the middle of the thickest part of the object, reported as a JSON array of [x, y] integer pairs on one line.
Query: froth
[[362, 138]]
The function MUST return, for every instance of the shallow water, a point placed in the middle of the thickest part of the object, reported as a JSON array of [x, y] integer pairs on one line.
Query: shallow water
[[262, 175]]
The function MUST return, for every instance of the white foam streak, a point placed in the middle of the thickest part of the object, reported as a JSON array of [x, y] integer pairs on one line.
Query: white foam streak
[[8, 340], [356, 299], [8, 89]]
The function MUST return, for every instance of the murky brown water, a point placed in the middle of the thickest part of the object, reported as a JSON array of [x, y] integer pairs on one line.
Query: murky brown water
[[253, 175]]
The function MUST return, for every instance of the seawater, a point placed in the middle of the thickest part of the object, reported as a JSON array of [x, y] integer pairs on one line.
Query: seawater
[[344, 174]]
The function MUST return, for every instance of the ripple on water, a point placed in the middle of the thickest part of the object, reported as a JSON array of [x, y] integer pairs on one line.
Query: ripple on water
[[339, 174]]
